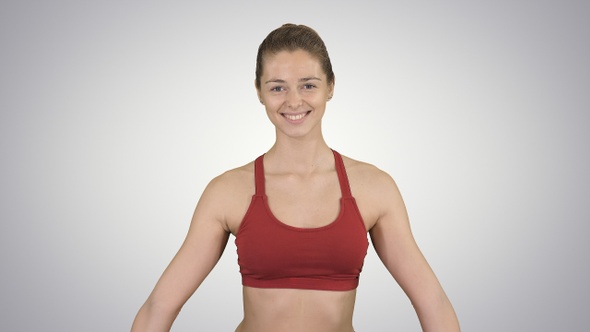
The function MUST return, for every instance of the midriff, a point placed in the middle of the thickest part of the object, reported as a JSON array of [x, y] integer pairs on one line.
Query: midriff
[[297, 310]]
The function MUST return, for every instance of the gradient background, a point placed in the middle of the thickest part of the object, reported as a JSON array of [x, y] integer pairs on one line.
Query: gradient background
[[116, 114]]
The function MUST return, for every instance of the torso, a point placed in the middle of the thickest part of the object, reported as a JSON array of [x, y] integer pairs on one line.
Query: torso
[[308, 202], [283, 196], [296, 310]]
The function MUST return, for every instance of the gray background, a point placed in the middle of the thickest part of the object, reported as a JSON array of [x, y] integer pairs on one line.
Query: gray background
[[115, 115]]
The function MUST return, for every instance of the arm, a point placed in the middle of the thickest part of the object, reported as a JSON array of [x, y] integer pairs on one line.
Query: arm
[[395, 245], [202, 248]]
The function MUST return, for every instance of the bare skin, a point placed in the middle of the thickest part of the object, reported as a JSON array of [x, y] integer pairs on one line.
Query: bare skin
[[297, 310], [303, 191]]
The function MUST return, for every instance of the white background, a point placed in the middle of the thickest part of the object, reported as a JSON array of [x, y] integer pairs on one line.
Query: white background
[[116, 114]]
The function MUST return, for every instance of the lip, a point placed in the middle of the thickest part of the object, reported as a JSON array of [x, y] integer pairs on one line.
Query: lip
[[295, 118]]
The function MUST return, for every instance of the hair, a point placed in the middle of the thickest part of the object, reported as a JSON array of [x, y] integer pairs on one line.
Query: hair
[[292, 37]]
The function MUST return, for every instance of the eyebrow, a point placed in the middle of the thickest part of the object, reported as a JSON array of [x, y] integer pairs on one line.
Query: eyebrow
[[305, 79]]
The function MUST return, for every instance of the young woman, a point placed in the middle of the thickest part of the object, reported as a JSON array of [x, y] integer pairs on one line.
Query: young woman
[[300, 214]]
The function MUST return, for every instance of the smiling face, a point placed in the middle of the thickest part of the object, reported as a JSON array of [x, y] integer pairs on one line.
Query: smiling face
[[294, 89]]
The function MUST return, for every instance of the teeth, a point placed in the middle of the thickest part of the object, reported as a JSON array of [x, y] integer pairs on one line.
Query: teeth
[[295, 117]]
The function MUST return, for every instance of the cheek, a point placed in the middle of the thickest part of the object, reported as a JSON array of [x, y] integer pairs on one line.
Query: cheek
[[273, 102], [317, 99]]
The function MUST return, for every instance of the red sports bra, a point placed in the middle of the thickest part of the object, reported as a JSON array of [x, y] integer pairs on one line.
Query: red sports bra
[[272, 254]]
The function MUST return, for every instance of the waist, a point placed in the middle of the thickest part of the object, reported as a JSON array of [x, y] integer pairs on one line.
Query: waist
[[297, 310]]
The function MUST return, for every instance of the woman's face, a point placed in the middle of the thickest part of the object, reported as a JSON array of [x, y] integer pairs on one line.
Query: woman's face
[[294, 90]]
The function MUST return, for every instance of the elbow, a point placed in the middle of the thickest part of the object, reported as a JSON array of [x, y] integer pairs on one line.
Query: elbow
[[155, 315], [162, 307], [436, 313]]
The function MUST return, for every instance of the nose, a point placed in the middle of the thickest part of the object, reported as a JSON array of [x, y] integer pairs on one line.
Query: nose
[[294, 99]]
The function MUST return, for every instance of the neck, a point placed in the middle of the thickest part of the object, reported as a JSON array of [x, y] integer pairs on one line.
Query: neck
[[298, 156]]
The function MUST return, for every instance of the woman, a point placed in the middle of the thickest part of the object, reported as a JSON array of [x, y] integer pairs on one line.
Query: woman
[[300, 214]]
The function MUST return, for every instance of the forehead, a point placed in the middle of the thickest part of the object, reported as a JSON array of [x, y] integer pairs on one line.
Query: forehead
[[296, 64]]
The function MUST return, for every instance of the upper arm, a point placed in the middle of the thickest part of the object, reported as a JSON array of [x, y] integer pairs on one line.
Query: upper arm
[[205, 241], [396, 247]]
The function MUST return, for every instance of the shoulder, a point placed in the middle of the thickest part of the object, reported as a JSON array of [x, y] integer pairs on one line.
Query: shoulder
[[228, 195], [365, 176], [239, 178], [231, 185], [374, 190]]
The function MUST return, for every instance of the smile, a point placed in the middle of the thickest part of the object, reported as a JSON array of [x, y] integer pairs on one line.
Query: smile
[[295, 117]]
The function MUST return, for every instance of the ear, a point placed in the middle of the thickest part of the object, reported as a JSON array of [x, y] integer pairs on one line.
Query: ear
[[258, 93], [331, 89]]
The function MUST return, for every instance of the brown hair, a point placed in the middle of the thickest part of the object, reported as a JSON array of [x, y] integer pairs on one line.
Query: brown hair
[[292, 37]]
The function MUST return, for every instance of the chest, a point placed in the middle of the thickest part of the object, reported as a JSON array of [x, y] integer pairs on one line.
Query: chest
[[304, 202], [272, 254]]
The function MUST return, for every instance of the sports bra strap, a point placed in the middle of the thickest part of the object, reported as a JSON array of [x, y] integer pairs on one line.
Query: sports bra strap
[[342, 176], [259, 176]]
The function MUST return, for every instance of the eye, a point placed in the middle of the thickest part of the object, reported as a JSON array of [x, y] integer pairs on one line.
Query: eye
[[308, 86], [277, 89]]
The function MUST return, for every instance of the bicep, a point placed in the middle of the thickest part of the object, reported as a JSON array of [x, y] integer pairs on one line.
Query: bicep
[[396, 247], [203, 246]]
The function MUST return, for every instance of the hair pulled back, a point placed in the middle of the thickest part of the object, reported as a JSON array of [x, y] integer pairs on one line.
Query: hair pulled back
[[292, 37]]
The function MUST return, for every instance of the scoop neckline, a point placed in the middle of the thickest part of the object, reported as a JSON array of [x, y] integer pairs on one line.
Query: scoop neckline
[[304, 229]]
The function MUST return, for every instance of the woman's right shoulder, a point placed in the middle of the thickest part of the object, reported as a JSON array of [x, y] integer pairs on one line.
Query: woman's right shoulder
[[234, 181], [229, 195]]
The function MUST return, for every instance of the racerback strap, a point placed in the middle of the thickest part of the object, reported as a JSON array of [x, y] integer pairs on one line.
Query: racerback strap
[[259, 176], [342, 176]]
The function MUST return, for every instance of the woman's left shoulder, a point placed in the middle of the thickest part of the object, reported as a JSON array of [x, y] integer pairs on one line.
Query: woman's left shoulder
[[372, 188], [362, 172]]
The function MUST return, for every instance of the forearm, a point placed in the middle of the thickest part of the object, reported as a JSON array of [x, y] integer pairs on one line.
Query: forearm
[[153, 318]]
